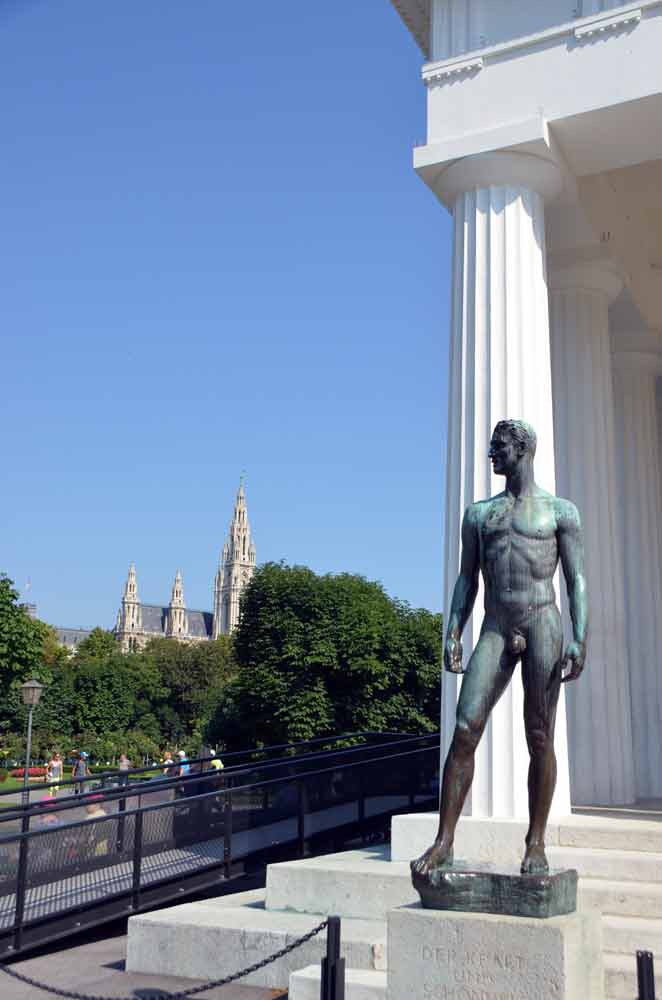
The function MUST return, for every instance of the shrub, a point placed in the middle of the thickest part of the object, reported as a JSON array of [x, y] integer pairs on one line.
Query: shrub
[[4, 773], [33, 772]]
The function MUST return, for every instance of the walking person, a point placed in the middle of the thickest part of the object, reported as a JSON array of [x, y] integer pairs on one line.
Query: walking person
[[54, 773], [124, 763], [80, 770]]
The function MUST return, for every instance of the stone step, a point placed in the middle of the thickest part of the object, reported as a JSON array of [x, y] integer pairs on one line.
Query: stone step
[[213, 938], [621, 977], [611, 833], [619, 866], [632, 899], [628, 935], [360, 884], [360, 984], [502, 840]]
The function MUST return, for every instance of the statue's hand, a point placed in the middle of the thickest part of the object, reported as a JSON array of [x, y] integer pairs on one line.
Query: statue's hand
[[453, 655], [573, 658]]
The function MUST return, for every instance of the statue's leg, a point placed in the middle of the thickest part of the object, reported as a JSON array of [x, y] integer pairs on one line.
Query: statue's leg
[[488, 672], [541, 675]]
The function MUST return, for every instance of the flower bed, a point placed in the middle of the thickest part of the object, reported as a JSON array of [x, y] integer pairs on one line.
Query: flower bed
[[33, 772]]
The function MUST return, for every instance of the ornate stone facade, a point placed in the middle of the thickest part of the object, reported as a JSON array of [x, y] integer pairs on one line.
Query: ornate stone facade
[[137, 622]]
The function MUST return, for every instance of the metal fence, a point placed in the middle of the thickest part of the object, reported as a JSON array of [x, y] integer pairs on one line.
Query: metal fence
[[135, 777], [78, 862]]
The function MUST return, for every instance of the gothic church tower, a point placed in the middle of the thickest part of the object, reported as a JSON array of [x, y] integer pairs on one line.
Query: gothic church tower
[[177, 624], [236, 567], [129, 620]]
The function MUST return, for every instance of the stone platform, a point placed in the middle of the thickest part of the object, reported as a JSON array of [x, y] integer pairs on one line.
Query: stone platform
[[620, 877]]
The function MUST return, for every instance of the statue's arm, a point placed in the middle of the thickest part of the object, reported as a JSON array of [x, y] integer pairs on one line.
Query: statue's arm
[[464, 592], [571, 551]]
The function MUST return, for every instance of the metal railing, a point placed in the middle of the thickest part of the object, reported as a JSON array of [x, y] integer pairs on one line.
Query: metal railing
[[60, 871], [237, 758]]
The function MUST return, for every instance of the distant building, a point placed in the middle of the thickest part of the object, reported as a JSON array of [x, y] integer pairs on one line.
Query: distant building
[[71, 637], [137, 623]]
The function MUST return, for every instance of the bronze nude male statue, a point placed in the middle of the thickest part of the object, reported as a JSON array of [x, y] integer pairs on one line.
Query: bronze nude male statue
[[515, 539]]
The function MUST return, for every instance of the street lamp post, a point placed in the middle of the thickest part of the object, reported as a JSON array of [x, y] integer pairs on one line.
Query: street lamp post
[[31, 692]]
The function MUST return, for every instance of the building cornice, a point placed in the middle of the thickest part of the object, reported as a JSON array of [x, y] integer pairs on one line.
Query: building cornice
[[416, 15], [582, 30]]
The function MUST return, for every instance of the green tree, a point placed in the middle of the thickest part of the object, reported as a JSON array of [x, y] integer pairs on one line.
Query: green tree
[[191, 681], [22, 640], [328, 654], [99, 644]]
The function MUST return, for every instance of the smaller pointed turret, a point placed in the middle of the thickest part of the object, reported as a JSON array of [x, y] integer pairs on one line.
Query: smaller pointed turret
[[176, 624], [129, 619]]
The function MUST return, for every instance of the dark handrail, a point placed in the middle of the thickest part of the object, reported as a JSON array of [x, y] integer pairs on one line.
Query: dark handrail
[[215, 793], [116, 773], [126, 790]]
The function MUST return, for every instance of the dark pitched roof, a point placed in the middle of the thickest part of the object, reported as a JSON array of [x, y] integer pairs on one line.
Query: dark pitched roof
[[71, 637], [200, 623]]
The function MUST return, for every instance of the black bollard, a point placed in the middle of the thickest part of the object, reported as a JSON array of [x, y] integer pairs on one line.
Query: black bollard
[[645, 975], [333, 966]]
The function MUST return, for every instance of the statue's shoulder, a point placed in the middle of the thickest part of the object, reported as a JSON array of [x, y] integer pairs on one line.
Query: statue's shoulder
[[477, 512], [567, 515]]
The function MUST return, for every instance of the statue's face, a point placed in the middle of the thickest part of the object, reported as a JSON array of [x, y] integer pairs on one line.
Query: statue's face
[[504, 454]]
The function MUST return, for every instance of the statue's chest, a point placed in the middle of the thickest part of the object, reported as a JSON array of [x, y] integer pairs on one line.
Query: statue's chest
[[509, 523]]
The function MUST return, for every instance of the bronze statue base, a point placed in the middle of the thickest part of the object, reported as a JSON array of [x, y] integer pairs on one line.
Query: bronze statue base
[[486, 889]]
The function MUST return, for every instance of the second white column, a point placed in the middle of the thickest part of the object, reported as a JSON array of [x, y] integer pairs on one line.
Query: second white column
[[601, 757]]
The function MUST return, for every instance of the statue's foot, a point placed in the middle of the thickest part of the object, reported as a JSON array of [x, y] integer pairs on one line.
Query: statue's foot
[[535, 861], [440, 854]]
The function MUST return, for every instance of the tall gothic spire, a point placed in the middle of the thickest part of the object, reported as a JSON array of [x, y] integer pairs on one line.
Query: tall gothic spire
[[236, 567], [129, 619], [131, 585], [177, 624]]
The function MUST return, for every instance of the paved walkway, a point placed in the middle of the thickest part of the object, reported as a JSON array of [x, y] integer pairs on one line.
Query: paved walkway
[[96, 968]]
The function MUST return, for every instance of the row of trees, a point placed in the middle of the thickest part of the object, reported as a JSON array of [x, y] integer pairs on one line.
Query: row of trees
[[313, 655]]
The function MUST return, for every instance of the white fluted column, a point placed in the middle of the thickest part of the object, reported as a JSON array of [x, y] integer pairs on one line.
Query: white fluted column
[[598, 704], [499, 368], [638, 444]]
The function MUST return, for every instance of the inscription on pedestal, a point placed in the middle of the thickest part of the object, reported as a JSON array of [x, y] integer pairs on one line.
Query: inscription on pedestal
[[443, 955], [475, 976]]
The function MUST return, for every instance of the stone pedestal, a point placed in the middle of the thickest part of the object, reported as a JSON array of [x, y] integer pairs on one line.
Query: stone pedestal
[[435, 955]]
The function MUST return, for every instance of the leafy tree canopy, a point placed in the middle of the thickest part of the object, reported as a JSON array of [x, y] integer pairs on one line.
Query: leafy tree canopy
[[22, 640], [327, 654]]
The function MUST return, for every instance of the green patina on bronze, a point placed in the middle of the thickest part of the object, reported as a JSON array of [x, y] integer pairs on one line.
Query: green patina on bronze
[[515, 539], [482, 889]]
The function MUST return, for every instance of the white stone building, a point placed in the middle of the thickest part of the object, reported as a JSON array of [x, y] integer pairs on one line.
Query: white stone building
[[137, 622], [544, 141]]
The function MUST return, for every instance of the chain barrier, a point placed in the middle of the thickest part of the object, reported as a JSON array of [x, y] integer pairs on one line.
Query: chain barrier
[[163, 994]]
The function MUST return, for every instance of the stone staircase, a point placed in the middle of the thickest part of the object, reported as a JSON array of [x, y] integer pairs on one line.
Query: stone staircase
[[621, 876]]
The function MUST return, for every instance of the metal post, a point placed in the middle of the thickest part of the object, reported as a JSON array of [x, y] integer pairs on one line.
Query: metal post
[[645, 975], [333, 966], [21, 886], [412, 775], [361, 802], [301, 818], [121, 823], [227, 827], [28, 754], [137, 858]]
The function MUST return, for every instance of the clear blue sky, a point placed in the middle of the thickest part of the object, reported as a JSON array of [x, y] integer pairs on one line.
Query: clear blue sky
[[215, 256]]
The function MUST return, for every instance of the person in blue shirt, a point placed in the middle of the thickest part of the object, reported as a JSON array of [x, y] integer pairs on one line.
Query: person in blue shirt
[[184, 766]]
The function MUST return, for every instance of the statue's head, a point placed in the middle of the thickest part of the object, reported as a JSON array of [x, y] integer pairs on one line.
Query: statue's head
[[513, 441]]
